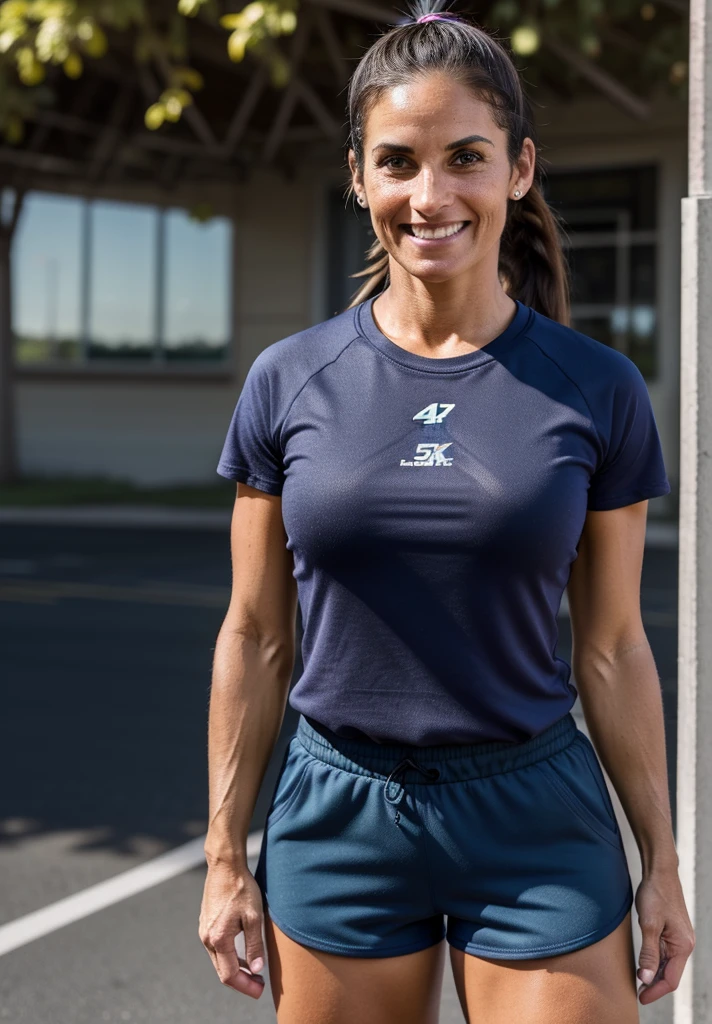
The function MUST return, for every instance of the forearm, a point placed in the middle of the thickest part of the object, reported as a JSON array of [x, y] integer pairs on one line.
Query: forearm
[[622, 703], [248, 696]]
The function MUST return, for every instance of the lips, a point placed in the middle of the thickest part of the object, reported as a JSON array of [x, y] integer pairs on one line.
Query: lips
[[408, 230]]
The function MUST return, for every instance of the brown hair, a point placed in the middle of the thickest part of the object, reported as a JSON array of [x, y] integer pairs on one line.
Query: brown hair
[[532, 265]]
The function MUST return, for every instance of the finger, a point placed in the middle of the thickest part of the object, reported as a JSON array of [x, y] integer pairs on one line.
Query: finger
[[666, 981], [650, 951], [254, 948], [246, 967], [231, 973]]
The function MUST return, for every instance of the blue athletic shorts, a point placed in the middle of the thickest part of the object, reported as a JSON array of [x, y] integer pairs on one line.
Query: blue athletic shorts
[[367, 847]]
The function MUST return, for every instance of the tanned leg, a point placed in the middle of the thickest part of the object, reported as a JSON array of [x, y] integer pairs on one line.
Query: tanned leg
[[594, 985], [311, 987]]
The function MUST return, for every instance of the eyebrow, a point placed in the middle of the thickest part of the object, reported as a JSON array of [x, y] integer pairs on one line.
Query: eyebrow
[[451, 145]]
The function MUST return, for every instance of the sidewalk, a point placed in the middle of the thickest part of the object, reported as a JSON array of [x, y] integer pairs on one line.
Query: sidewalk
[[659, 534]]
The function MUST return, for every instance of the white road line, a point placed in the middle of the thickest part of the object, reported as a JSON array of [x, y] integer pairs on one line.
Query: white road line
[[81, 904]]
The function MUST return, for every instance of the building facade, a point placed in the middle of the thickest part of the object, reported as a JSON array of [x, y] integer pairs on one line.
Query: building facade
[[135, 323]]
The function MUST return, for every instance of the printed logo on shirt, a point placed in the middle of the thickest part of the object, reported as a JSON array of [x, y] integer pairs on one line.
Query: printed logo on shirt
[[430, 413], [429, 455]]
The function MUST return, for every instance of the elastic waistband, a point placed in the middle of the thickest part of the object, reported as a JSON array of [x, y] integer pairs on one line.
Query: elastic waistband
[[455, 761]]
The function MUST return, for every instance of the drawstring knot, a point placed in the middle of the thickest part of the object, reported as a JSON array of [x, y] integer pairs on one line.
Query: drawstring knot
[[400, 769]]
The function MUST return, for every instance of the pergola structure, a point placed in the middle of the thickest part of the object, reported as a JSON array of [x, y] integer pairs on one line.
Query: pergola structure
[[95, 129]]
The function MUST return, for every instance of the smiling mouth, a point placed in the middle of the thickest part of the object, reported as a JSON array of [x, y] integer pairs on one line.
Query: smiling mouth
[[442, 231]]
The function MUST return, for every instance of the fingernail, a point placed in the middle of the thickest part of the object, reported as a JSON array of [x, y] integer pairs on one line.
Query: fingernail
[[257, 965], [646, 976]]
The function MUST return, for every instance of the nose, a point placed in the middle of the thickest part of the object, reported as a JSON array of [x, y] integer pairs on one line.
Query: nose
[[430, 194]]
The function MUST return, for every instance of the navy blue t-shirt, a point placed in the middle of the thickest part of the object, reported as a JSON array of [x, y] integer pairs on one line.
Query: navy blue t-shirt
[[434, 509]]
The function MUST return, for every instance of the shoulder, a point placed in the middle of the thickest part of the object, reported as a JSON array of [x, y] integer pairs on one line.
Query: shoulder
[[597, 370], [288, 363]]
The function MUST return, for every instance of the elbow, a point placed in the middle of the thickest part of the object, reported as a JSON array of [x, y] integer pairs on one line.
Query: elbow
[[272, 646]]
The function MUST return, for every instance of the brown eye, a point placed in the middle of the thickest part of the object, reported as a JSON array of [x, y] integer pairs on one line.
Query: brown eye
[[469, 152], [387, 162]]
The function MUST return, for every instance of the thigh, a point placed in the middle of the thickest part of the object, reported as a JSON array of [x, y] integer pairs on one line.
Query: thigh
[[592, 985], [313, 987]]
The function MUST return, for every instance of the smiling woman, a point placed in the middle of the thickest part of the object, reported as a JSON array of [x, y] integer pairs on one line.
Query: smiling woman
[[401, 92], [437, 463]]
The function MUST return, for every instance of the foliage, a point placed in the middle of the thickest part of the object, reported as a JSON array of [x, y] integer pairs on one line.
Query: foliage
[[38, 34], [657, 31]]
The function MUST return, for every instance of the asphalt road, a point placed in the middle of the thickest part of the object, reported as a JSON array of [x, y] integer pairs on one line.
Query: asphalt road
[[107, 641]]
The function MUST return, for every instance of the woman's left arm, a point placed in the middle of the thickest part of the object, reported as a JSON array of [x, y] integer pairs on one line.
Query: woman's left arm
[[620, 694]]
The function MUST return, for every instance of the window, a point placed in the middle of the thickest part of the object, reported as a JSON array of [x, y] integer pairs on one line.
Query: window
[[610, 217], [106, 282], [46, 275]]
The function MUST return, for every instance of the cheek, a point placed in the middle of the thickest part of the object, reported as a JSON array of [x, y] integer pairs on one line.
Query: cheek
[[486, 197]]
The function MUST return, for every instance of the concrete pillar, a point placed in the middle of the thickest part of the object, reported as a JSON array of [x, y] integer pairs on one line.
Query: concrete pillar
[[693, 998]]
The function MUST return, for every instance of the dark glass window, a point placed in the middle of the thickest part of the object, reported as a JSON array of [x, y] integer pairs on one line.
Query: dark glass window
[[349, 237], [610, 218]]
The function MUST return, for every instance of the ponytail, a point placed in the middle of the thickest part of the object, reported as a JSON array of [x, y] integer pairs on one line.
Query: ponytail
[[532, 265]]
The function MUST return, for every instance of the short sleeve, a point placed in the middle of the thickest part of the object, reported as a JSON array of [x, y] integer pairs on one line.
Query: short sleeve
[[632, 468], [251, 452]]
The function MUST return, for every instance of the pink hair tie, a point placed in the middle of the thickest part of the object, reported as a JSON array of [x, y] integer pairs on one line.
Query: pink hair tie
[[437, 17]]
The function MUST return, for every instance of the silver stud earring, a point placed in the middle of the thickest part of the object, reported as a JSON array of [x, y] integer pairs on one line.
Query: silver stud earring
[[362, 201], [517, 193]]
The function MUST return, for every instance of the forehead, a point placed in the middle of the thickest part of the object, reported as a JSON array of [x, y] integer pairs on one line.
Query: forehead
[[434, 102]]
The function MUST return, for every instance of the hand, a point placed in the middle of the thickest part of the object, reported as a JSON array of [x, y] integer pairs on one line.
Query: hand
[[232, 902], [668, 935]]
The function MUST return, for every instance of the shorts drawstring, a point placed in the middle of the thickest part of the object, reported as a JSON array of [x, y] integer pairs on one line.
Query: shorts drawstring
[[400, 768]]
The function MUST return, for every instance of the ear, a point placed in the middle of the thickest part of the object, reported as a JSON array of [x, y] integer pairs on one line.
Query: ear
[[523, 170], [356, 177]]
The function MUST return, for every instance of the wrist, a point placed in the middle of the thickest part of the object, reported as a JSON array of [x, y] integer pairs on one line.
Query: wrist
[[661, 862], [233, 856]]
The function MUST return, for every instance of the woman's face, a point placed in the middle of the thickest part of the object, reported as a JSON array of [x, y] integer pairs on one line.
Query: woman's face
[[434, 156]]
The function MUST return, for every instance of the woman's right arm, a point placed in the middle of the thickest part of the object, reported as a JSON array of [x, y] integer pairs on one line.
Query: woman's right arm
[[252, 670]]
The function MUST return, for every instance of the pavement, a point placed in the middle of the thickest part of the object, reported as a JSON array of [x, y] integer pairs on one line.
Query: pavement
[[106, 657]]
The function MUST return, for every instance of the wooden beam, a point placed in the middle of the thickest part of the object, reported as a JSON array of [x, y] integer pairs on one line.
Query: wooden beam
[[291, 91], [279, 125], [604, 82], [111, 135], [169, 144], [325, 25], [329, 125], [65, 122], [243, 113], [192, 112], [41, 162]]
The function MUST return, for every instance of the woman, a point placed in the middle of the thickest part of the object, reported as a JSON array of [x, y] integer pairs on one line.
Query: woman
[[426, 472]]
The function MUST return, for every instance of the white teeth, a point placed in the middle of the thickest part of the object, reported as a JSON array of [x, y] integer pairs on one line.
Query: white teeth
[[421, 232]]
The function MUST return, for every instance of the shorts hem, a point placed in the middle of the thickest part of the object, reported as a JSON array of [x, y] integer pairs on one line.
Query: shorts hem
[[501, 953], [349, 950]]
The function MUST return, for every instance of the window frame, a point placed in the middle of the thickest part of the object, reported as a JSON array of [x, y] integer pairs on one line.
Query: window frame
[[124, 367]]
